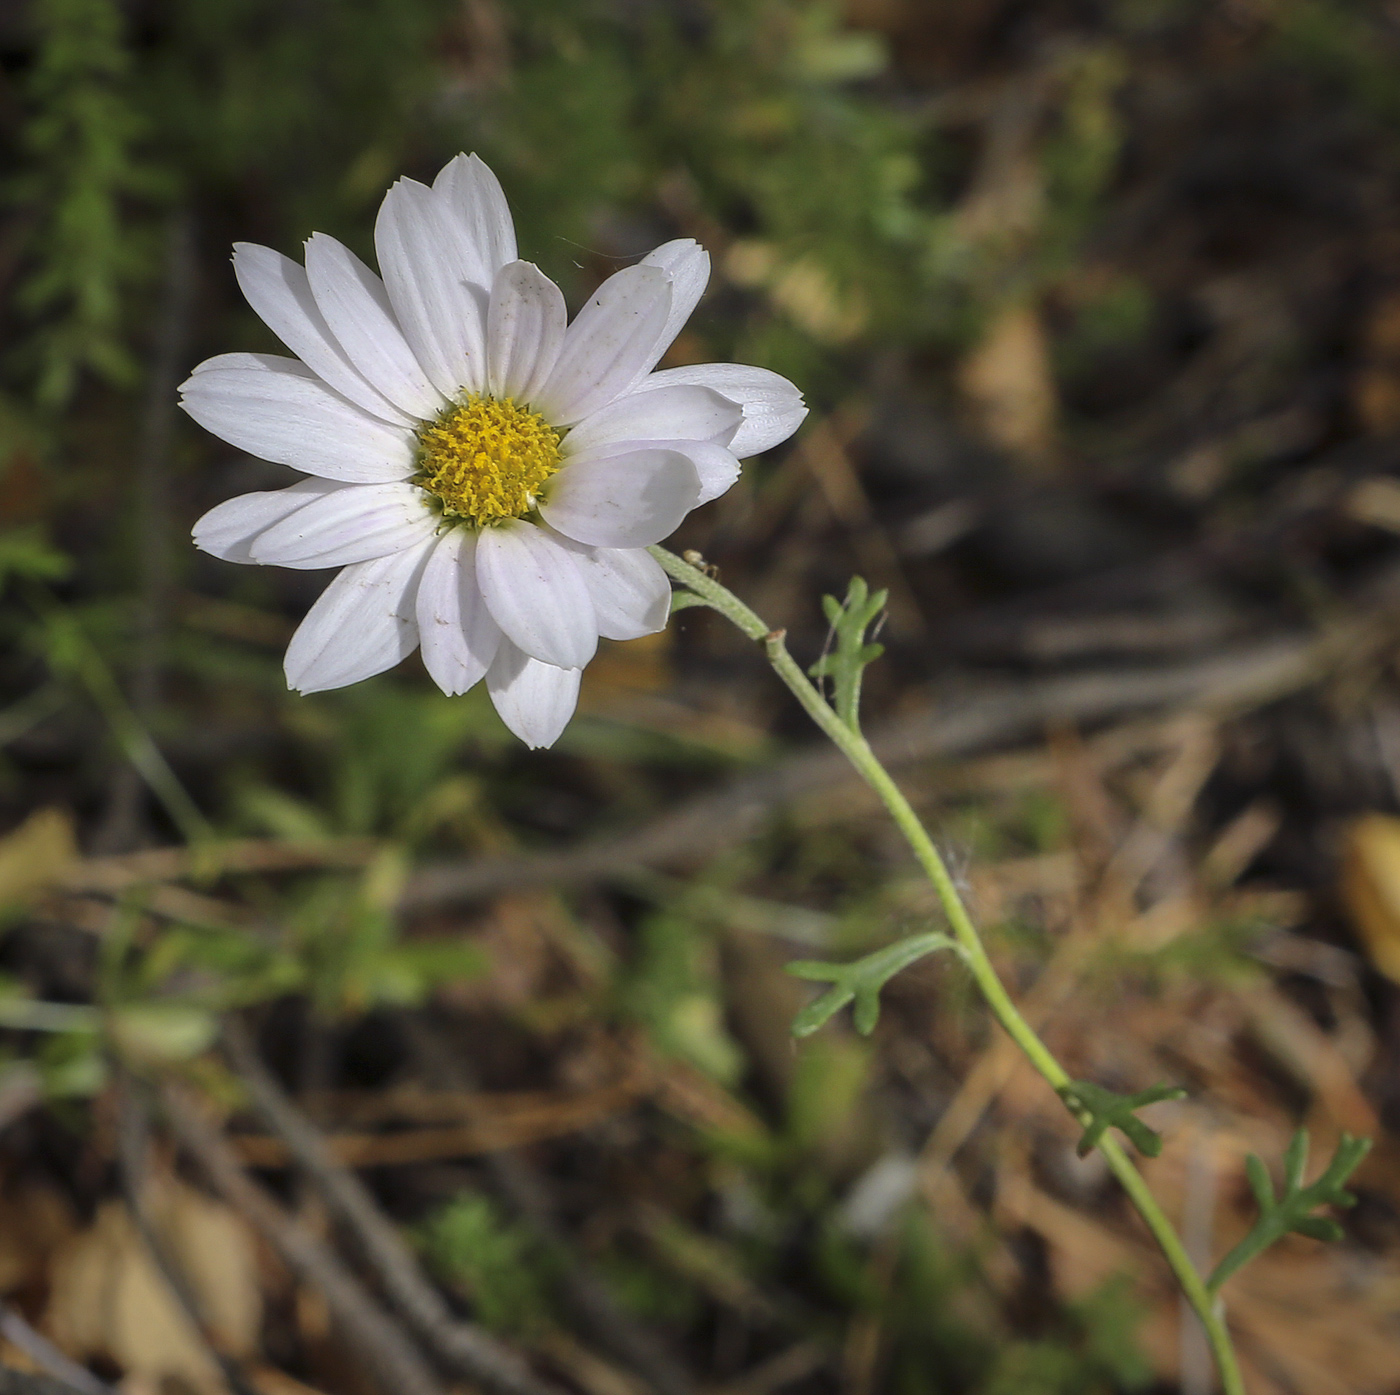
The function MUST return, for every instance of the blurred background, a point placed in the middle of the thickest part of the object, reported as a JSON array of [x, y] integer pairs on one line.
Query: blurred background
[[1097, 307]]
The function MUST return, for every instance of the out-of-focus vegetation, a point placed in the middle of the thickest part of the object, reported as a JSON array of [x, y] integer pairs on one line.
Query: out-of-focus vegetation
[[1098, 310]]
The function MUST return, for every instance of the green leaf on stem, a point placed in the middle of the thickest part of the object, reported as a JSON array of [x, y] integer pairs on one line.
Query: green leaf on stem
[[859, 982], [1294, 1209], [846, 662], [1107, 1110]]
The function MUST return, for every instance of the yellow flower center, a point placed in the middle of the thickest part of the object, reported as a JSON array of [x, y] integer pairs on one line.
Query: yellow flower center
[[486, 458]]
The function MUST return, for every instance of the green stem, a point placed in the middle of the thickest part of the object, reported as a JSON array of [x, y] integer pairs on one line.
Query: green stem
[[857, 750]]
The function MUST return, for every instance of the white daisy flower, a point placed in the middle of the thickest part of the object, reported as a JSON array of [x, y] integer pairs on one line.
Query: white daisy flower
[[487, 475]]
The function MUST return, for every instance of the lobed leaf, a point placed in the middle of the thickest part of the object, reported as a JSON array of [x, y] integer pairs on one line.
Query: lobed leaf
[[859, 981], [847, 661], [1107, 1110], [1294, 1210]]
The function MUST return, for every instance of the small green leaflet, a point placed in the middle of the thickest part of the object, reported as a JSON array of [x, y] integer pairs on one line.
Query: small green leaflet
[[1107, 1110], [859, 982], [1294, 1209], [845, 664]]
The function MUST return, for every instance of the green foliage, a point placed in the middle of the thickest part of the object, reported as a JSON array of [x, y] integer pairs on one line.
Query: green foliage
[[1107, 320], [495, 1263], [80, 144], [1081, 156], [846, 663], [1101, 1110], [645, 1290], [384, 757], [325, 103], [941, 1339], [831, 1077], [860, 981], [675, 989], [737, 113], [1342, 42], [26, 555], [1294, 1210]]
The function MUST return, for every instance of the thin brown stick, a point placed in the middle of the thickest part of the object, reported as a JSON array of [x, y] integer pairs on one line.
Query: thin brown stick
[[397, 1363], [705, 825], [239, 855], [591, 1300], [133, 1142], [465, 1140], [459, 1344]]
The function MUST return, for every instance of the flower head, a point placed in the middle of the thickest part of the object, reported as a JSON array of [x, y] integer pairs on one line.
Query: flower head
[[486, 474]]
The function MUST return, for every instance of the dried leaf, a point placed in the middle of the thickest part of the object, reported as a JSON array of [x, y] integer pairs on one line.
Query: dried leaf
[[107, 1298], [35, 854], [1371, 888], [1008, 384]]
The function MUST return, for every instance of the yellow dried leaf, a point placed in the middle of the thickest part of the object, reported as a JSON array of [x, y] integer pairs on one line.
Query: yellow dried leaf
[[1008, 383], [35, 854], [1371, 888], [804, 289], [1375, 501], [108, 1298]]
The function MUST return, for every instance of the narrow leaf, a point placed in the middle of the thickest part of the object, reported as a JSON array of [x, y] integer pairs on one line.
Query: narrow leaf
[[859, 982]]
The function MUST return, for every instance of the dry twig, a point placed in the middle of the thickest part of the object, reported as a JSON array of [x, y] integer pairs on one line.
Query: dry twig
[[705, 825], [457, 1343], [132, 1146], [388, 1352]]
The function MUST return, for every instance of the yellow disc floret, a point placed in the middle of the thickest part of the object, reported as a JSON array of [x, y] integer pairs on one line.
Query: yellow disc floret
[[486, 458]]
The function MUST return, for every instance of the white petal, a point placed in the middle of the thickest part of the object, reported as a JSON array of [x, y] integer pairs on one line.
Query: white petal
[[630, 500], [279, 412], [473, 195], [362, 624], [428, 265], [355, 524], [535, 593], [772, 406], [676, 413], [612, 340], [534, 700], [277, 289], [631, 593], [458, 635], [688, 265], [228, 530], [717, 466], [524, 331], [258, 363], [356, 307]]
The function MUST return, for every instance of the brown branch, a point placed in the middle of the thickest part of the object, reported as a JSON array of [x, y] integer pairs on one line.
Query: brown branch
[[462, 1345], [592, 1302], [133, 1130], [394, 1359], [238, 855], [959, 726], [509, 1130]]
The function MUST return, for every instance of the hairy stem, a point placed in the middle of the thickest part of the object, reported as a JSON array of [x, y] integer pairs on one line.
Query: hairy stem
[[854, 746]]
